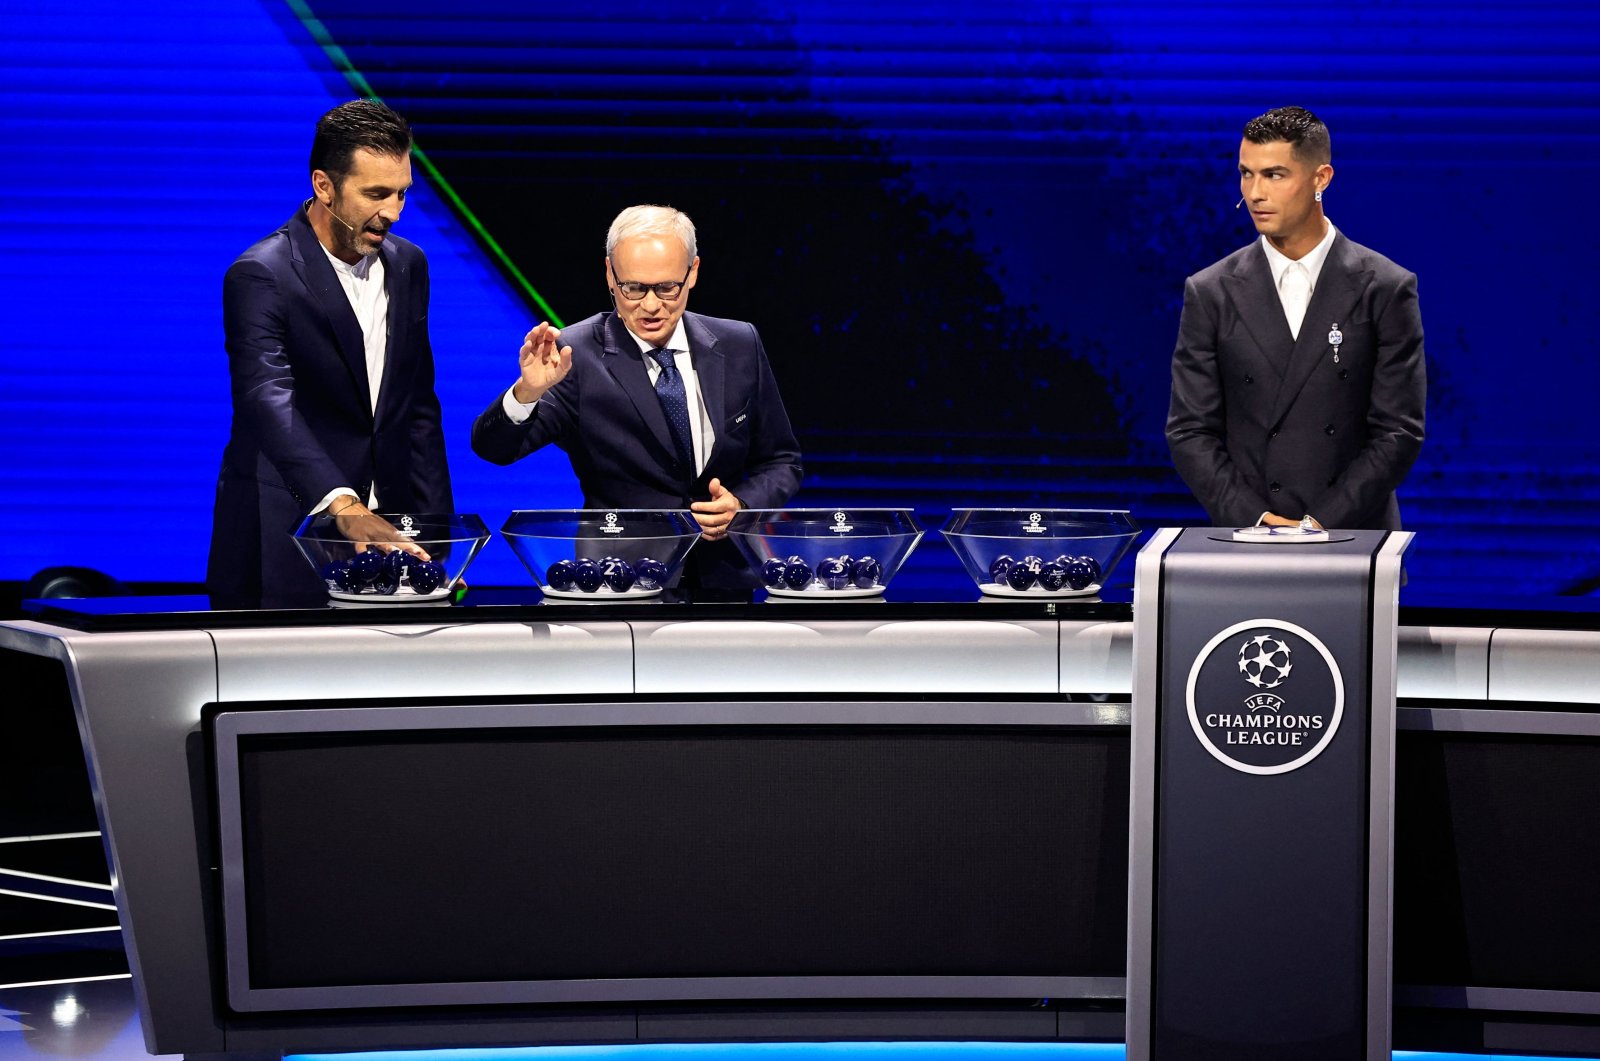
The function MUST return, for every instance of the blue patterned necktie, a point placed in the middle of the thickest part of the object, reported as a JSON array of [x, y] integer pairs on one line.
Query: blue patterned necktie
[[675, 403]]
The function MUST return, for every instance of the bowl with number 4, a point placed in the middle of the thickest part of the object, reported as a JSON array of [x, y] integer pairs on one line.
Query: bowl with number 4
[[601, 554], [422, 560], [1039, 552], [825, 553]]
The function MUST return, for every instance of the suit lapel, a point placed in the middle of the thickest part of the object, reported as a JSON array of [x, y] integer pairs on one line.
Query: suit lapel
[[626, 365], [710, 369], [314, 270], [1260, 309], [1339, 285]]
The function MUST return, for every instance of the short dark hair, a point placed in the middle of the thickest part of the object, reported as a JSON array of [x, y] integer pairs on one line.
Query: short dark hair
[[359, 123], [1304, 132]]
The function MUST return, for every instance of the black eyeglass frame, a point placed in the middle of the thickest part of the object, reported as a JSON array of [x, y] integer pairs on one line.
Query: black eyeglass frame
[[676, 286]]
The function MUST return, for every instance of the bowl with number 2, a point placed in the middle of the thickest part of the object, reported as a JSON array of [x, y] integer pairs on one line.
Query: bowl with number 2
[[601, 554]]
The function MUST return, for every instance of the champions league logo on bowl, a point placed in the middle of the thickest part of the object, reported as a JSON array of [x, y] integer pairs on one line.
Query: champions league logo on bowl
[[1243, 724]]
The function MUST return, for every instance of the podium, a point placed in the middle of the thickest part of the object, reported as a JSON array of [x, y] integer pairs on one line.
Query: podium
[[1260, 874]]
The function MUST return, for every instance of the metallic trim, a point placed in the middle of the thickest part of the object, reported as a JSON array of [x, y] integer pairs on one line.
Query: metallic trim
[[1384, 649], [1507, 999], [1493, 720], [1147, 587]]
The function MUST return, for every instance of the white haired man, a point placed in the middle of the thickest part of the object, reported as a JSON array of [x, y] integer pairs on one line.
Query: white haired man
[[656, 407]]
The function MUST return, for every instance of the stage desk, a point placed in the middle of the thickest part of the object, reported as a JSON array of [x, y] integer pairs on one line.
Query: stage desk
[[518, 823]]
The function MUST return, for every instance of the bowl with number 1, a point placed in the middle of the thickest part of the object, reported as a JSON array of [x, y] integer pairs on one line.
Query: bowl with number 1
[[615, 554], [825, 553], [1039, 552], [421, 561]]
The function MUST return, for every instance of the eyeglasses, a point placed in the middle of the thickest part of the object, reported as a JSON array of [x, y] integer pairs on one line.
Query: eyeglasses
[[666, 291]]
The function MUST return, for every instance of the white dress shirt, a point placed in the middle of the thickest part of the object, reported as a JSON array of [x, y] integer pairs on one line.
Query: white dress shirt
[[1311, 262], [363, 285], [701, 432]]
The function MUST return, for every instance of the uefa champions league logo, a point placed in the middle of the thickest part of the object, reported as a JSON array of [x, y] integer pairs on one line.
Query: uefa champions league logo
[[611, 525], [1245, 726], [839, 524], [408, 527], [1034, 526], [1264, 661]]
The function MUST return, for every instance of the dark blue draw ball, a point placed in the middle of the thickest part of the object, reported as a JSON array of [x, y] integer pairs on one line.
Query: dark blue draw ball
[[796, 573], [386, 583], [1023, 574], [998, 569], [337, 575], [772, 572], [426, 575], [834, 573], [561, 574], [589, 576], [865, 572], [650, 573], [395, 565], [1082, 572], [366, 567], [619, 574], [1053, 575]]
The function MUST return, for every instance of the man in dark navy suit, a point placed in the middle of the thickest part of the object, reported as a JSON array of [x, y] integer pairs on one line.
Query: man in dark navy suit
[[1298, 382], [656, 407], [326, 322]]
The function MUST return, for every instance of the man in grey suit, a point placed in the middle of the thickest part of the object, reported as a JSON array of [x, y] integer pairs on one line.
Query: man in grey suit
[[1298, 383]]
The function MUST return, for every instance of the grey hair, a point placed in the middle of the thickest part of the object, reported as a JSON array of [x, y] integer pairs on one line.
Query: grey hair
[[651, 221]]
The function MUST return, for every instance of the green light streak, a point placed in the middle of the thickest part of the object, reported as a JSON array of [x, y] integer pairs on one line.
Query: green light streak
[[358, 81]]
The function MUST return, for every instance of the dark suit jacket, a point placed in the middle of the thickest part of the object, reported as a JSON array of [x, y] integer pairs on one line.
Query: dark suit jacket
[[302, 418], [607, 418], [1260, 422]]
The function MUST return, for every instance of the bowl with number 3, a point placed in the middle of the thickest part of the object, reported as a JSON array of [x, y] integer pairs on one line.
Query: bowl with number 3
[[1039, 552], [422, 561], [825, 553], [601, 554]]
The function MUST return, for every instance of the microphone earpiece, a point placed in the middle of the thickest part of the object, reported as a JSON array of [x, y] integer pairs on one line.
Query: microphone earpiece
[[1239, 203], [336, 217]]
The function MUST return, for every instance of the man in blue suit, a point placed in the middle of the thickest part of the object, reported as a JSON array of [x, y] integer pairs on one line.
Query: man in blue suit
[[656, 407], [326, 323]]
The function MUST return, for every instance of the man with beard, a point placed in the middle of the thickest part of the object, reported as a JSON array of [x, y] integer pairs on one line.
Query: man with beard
[[326, 324]]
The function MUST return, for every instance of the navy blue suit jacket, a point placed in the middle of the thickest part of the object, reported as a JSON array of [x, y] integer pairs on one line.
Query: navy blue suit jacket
[[303, 422], [1262, 422], [607, 418]]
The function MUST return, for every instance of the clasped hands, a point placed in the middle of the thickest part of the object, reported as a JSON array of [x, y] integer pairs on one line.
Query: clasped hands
[[1272, 519]]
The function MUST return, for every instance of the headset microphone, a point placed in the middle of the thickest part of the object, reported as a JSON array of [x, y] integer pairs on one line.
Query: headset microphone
[[1239, 203]]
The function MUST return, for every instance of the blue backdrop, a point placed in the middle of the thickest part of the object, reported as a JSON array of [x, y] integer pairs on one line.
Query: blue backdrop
[[962, 230]]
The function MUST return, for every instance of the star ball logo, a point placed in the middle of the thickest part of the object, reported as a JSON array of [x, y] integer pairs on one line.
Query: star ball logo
[[1265, 696]]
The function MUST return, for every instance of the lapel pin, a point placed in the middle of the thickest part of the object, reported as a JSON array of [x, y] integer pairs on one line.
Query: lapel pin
[[1335, 338]]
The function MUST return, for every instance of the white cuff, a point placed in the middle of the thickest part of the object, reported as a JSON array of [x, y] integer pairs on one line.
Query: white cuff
[[516, 411]]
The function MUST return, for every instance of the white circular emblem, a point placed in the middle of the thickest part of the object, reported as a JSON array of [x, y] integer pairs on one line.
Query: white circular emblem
[[1264, 662], [1034, 517], [838, 517], [611, 517]]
